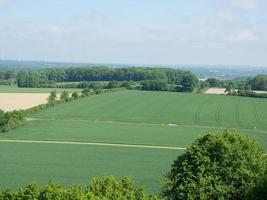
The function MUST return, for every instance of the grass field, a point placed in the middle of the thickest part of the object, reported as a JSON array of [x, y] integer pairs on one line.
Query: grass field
[[15, 89], [167, 108], [125, 117]]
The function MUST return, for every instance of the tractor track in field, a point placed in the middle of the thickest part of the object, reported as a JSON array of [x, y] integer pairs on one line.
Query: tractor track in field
[[218, 114], [16, 141], [147, 123], [237, 114], [91, 144], [255, 113], [199, 110]]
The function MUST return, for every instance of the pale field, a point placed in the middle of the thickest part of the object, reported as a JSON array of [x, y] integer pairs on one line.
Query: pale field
[[260, 92], [17, 101], [216, 91]]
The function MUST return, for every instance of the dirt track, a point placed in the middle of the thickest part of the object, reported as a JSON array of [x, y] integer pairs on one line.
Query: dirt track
[[16, 101], [94, 144]]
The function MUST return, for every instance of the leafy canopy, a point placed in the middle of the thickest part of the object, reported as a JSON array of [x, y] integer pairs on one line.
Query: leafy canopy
[[217, 166]]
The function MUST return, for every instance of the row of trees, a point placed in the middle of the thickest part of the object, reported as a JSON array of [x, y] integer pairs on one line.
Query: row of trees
[[216, 166], [102, 188], [50, 76], [259, 82]]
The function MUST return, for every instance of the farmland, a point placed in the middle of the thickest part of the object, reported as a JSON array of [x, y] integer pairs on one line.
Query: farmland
[[15, 89], [162, 119]]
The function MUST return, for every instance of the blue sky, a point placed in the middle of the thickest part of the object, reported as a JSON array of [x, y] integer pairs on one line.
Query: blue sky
[[135, 31]]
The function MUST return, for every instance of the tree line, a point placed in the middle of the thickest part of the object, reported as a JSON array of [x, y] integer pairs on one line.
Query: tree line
[[258, 82], [166, 76], [220, 166]]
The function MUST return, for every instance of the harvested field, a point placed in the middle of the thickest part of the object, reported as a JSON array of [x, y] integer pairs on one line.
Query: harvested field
[[17, 101], [215, 91]]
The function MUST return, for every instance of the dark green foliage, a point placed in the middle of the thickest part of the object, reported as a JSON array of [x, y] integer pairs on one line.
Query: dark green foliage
[[102, 188], [52, 98], [260, 191], [250, 93], [75, 95], [11, 120], [86, 91], [65, 96], [259, 82], [44, 77], [156, 85], [2, 114], [217, 166], [213, 82]]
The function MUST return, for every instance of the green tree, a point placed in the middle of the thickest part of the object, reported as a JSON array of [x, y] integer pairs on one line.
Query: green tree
[[101, 188], [112, 189], [2, 114], [259, 82], [75, 95], [98, 88], [217, 166], [86, 91], [52, 98], [230, 89], [65, 96], [12, 120]]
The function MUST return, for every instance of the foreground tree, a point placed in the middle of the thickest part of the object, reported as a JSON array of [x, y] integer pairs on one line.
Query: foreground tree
[[101, 188], [217, 166]]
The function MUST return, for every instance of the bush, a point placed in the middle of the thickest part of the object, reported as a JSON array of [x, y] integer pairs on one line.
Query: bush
[[102, 188], [217, 166], [11, 120], [52, 98], [75, 95], [65, 96]]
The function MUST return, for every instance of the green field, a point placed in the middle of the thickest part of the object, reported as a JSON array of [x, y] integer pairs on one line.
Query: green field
[[160, 119], [15, 89]]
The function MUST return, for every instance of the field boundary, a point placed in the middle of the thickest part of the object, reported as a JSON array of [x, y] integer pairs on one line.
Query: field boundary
[[92, 144], [145, 123]]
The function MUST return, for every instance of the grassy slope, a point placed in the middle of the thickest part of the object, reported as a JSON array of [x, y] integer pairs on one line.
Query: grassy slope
[[165, 107], [126, 133], [15, 89], [77, 164]]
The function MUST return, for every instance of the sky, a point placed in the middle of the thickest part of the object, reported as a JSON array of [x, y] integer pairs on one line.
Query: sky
[[192, 32]]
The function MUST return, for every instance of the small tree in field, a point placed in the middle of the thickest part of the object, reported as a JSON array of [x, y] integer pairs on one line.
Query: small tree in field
[[2, 114], [65, 96], [75, 95], [52, 97], [217, 166]]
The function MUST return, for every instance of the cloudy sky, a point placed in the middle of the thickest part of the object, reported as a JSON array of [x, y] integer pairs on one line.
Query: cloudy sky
[[135, 31]]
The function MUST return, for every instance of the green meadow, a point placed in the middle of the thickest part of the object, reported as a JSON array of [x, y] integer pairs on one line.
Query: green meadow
[[15, 89], [161, 119]]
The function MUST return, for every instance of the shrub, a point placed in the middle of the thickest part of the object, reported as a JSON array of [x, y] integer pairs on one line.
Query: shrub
[[102, 188], [75, 95]]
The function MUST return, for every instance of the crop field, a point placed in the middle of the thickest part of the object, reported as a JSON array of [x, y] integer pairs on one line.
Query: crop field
[[18, 101], [131, 133]]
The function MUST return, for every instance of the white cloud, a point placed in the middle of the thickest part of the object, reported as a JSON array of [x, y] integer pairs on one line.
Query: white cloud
[[242, 37], [3, 3], [246, 4], [55, 29], [240, 4]]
